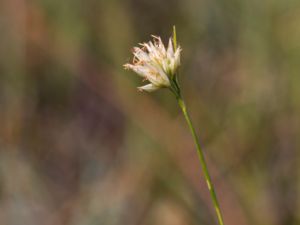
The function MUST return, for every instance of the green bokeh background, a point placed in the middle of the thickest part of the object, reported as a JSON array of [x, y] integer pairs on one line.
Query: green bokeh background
[[80, 145]]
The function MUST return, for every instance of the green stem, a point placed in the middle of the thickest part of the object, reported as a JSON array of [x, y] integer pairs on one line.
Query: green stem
[[202, 161]]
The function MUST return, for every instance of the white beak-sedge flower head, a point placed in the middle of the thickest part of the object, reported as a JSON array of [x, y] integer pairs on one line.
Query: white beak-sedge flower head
[[155, 63]]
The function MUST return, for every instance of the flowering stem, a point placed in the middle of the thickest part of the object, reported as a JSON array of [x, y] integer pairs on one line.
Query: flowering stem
[[202, 160]]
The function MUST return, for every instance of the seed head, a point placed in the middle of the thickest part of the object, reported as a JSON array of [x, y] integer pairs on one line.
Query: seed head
[[155, 63]]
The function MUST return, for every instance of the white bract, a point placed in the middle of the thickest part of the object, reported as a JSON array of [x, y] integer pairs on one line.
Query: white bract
[[155, 63]]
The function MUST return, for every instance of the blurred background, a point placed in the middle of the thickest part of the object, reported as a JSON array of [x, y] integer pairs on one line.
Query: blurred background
[[80, 145]]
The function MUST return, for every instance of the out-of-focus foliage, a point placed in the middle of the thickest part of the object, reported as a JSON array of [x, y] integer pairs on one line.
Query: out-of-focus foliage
[[79, 145]]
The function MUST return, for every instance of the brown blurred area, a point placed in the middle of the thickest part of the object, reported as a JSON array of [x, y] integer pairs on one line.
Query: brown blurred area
[[80, 145]]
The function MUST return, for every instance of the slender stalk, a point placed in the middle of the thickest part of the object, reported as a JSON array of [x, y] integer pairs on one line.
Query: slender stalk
[[202, 160]]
